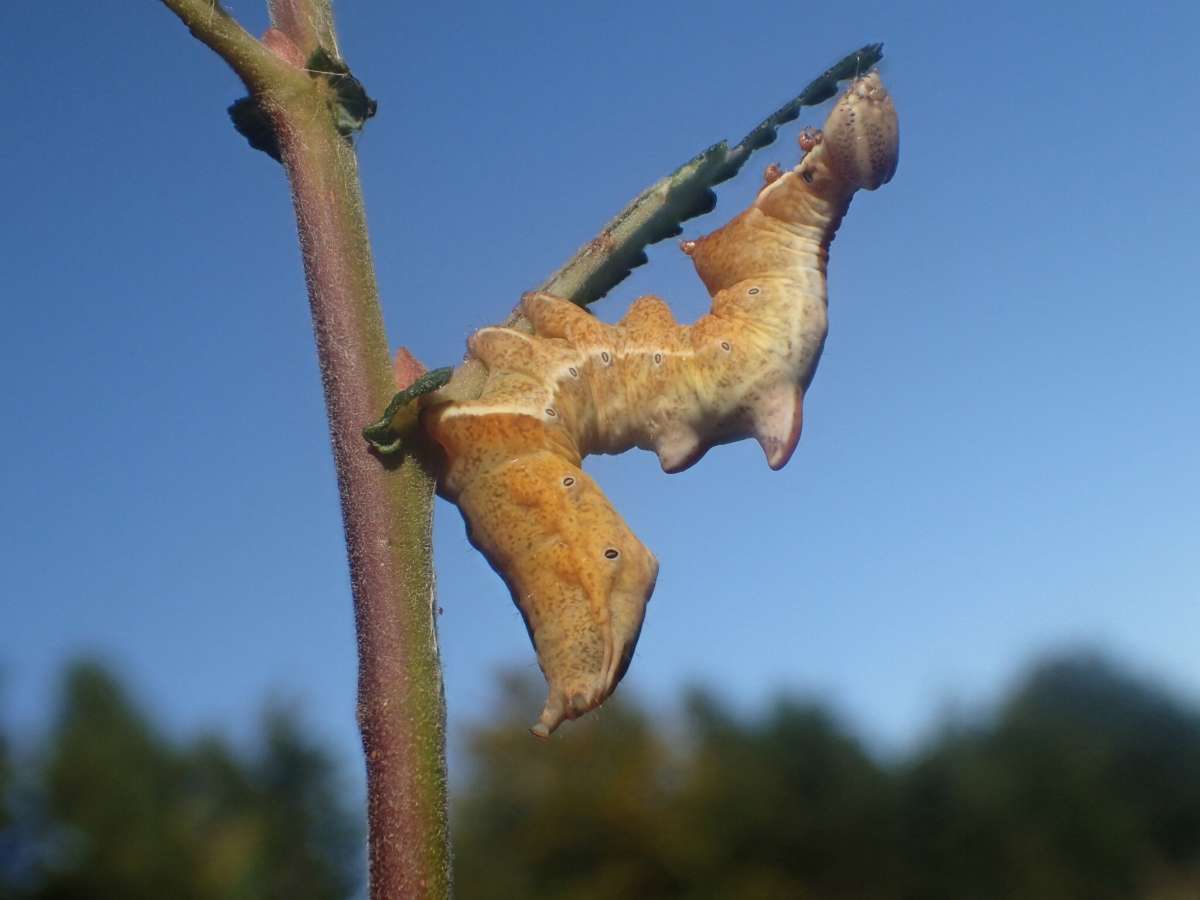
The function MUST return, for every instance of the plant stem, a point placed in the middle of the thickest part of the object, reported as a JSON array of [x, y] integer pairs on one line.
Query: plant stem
[[209, 23], [386, 511], [388, 522]]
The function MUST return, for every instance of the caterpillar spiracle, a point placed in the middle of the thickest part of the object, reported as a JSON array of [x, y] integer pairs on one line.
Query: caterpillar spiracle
[[579, 575]]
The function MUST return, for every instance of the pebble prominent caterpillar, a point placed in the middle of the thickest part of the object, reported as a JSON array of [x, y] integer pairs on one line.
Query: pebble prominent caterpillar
[[577, 386]]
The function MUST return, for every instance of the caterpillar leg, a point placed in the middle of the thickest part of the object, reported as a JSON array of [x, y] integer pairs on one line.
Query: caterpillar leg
[[809, 138]]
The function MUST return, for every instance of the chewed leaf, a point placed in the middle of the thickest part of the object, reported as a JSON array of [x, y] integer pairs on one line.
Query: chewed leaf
[[660, 211]]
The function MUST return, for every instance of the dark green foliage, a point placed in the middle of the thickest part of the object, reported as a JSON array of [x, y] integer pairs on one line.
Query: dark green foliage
[[310, 850], [5, 784], [822, 805], [1087, 785], [1084, 784], [603, 788], [122, 812]]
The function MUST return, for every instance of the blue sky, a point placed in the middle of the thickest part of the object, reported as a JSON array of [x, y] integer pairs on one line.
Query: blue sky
[[999, 455]]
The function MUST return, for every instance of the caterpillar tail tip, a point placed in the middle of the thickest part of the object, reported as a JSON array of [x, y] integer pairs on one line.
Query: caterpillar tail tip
[[553, 714]]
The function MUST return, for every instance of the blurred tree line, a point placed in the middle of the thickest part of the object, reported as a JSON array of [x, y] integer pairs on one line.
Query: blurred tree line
[[1083, 783], [109, 808]]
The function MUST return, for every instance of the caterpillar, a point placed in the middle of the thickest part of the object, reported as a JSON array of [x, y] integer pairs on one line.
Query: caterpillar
[[576, 571]]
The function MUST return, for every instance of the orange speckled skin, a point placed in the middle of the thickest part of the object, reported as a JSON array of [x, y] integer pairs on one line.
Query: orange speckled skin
[[578, 574]]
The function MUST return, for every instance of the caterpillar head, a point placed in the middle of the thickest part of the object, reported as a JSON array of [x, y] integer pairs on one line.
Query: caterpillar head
[[579, 575], [862, 135], [589, 604], [857, 149]]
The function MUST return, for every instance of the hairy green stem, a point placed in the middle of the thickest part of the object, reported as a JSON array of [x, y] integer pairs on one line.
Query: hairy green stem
[[386, 510], [259, 68], [388, 522]]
